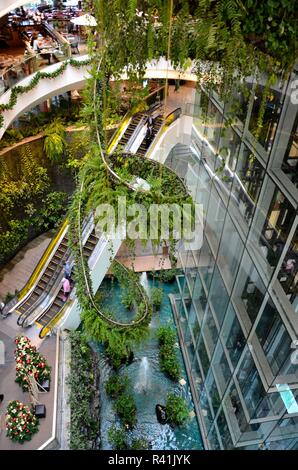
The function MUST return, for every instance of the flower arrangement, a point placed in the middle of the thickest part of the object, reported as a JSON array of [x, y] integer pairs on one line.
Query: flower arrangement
[[21, 423], [29, 362]]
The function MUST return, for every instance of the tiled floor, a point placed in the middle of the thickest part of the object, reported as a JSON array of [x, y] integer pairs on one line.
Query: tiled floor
[[12, 391], [16, 272]]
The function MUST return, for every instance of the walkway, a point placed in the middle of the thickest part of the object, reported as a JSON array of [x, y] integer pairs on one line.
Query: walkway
[[12, 391], [15, 274]]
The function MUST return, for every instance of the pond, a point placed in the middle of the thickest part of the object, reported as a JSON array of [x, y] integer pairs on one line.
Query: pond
[[148, 384]]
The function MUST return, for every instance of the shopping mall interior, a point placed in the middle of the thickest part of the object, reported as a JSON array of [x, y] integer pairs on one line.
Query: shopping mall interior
[[148, 225]]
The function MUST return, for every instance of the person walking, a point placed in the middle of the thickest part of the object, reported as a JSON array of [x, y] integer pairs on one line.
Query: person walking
[[66, 288]]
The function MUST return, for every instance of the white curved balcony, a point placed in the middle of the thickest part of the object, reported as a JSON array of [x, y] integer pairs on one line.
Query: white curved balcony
[[74, 78]]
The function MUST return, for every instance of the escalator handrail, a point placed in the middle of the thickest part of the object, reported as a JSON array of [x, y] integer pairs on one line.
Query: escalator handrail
[[167, 121], [24, 316], [49, 250], [53, 320]]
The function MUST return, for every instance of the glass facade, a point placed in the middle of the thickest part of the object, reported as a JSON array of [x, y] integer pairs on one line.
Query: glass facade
[[239, 300]]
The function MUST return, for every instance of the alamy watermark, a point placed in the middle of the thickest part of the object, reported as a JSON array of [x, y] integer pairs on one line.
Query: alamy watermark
[[162, 222]]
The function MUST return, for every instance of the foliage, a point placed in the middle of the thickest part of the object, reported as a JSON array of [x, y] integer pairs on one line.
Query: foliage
[[54, 141], [126, 409], [83, 381], [117, 437], [29, 362], [19, 89], [176, 409], [27, 204], [21, 423], [167, 356], [118, 338], [116, 385], [139, 444], [164, 275], [156, 297]]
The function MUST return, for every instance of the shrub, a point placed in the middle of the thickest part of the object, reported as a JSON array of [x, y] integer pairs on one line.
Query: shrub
[[140, 444], [83, 397], [156, 297], [116, 385], [176, 409], [21, 423], [117, 438], [126, 409], [167, 355]]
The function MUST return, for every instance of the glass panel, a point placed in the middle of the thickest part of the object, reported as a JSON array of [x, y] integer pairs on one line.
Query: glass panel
[[213, 439], [227, 157], [270, 118], [250, 383], [206, 263], [213, 392], [246, 187], [205, 409], [290, 162], [275, 216], [230, 252], [209, 331], [249, 289], [215, 219], [221, 369], [273, 337], [203, 356], [232, 336], [288, 274], [224, 431], [218, 296], [199, 298]]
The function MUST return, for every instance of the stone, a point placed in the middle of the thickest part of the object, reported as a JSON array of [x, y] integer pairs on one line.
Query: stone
[[192, 414], [182, 382]]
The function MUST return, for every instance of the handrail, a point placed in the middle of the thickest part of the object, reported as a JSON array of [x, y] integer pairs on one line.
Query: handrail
[[25, 315], [127, 117], [42, 261], [170, 118], [47, 328]]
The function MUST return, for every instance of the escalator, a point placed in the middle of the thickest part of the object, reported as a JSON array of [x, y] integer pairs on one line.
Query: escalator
[[52, 312], [157, 124], [46, 281], [135, 120]]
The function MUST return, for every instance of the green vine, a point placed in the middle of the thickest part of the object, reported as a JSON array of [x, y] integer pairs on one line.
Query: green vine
[[20, 90]]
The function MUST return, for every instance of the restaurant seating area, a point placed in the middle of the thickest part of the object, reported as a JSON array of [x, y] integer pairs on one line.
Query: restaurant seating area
[[32, 38]]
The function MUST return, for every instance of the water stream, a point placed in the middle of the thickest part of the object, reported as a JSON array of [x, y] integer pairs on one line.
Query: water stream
[[149, 385]]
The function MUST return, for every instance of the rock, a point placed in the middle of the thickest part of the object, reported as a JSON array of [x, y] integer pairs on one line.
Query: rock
[[161, 414]]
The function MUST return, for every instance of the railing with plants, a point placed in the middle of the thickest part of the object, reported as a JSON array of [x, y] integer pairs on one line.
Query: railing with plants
[[17, 90]]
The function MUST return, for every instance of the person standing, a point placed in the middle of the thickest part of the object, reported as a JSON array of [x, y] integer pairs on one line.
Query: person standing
[[2, 306], [67, 270], [66, 288]]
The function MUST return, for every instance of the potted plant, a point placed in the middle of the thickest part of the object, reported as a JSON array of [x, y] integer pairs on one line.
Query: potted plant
[[21, 423]]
